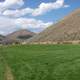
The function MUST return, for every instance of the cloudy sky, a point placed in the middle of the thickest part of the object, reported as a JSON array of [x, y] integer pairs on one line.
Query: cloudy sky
[[34, 15]]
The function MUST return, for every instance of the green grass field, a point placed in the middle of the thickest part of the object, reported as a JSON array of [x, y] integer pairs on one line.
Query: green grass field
[[40, 62]]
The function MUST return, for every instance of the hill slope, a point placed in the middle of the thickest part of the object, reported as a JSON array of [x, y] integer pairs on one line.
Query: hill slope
[[68, 29], [1, 37], [20, 35]]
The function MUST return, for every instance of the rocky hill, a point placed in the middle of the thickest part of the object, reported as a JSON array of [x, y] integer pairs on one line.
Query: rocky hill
[[68, 29], [22, 34]]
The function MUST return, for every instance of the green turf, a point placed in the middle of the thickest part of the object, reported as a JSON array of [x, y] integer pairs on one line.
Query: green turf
[[2, 68], [43, 62]]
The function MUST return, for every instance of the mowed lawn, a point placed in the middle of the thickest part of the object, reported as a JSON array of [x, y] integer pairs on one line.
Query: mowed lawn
[[40, 62]]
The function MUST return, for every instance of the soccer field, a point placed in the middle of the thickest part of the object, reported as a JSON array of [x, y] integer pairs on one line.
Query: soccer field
[[40, 62]]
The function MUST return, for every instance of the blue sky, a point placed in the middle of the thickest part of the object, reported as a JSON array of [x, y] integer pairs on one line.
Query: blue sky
[[34, 15], [53, 15]]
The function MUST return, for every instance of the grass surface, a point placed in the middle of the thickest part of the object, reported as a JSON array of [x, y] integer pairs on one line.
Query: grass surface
[[2, 68], [42, 62]]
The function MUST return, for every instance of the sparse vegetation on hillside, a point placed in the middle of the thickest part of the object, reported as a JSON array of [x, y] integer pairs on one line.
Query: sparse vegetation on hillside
[[24, 37], [16, 37], [67, 29], [22, 34]]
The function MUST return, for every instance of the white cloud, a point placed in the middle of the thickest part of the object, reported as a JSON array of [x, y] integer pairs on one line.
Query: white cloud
[[2, 32], [66, 6], [10, 4], [32, 24], [42, 8], [11, 13], [17, 13], [8, 25], [5, 22], [45, 7]]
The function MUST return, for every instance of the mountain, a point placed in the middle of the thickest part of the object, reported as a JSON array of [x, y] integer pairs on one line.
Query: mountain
[[1, 37], [68, 29], [21, 35]]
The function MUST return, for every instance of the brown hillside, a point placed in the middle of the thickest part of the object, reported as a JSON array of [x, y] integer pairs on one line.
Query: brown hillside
[[20, 35], [68, 29]]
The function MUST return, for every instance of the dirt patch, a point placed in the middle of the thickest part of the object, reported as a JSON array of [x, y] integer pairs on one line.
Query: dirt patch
[[8, 73]]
